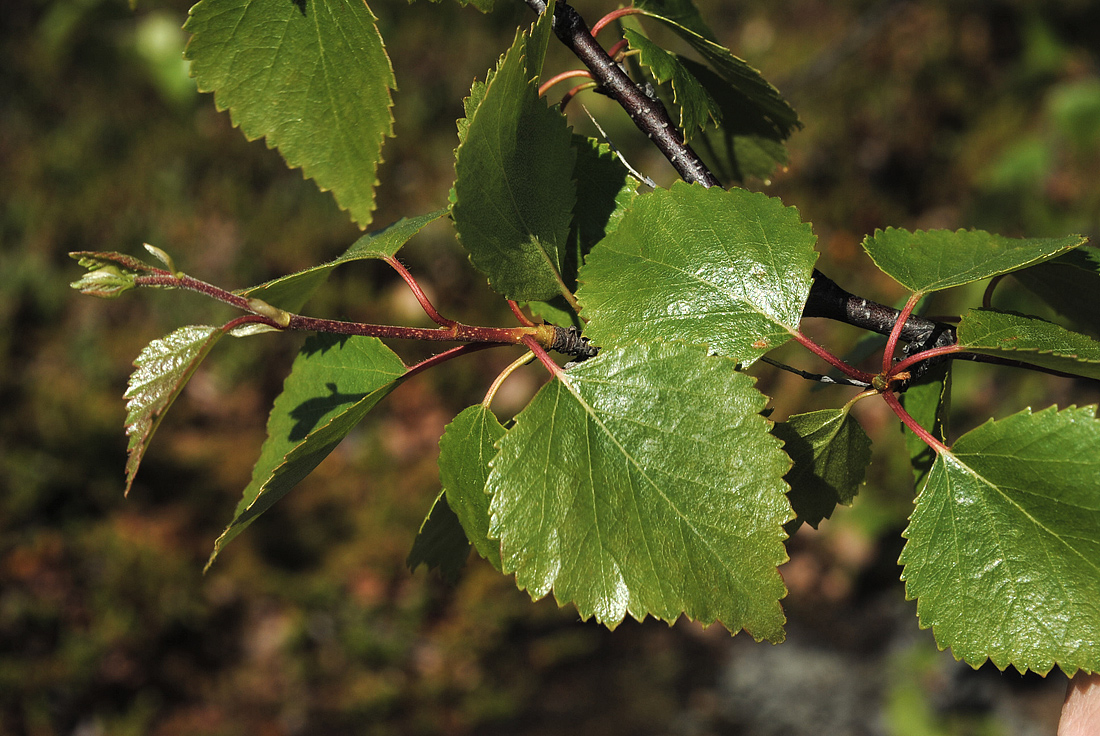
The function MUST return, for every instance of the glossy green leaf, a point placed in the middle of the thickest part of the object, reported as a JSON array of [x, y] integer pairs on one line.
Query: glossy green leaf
[[441, 543], [1003, 551], [293, 291], [310, 77], [830, 452], [163, 368], [1069, 283], [1030, 340], [726, 269], [929, 402], [332, 385], [514, 190], [763, 99], [645, 481], [694, 106], [930, 260], [467, 446]]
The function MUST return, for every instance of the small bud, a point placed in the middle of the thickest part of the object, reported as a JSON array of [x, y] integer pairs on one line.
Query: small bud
[[262, 308], [163, 258], [107, 282]]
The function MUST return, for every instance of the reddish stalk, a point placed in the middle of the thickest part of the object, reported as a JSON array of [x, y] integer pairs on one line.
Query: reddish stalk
[[905, 364], [611, 17], [831, 359], [573, 93], [523, 320], [892, 401], [613, 52], [449, 355], [892, 341], [562, 77], [421, 297], [543, 356]]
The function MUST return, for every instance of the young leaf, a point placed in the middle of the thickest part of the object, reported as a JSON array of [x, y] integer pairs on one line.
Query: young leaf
[[726, 269], [1030, 340], [1069, 283], [441, 543], [163, 368], [695, 105], [467, 446], [514, 190], [312, 78], [645, 481], [931, 260], [831, 453], [293, 291], [760, 97], [332, 385], [929, 402], [1003, 551]]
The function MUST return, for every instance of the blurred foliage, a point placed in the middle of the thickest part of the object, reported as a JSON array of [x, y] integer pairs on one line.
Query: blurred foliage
[[936, 114]]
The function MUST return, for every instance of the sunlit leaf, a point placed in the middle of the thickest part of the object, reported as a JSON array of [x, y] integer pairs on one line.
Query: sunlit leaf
[[831, 453], [1069, 283], [332, 385], [514, 190], [726, 269], [695, 107], [310, 77], [1029, 340], [1003, 551], [293, 291], [645, 482], [930, 260], [467, 446], [163, 368]]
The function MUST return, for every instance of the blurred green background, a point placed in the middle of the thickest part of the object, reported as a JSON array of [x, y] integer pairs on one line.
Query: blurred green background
[[931, 114]]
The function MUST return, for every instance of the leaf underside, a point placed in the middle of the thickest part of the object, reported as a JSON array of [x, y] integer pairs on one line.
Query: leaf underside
[[332, 385], [1003, 550], [727, 269], [1069, 283], [645, 481], [931, 260], [311, 77], [1029, 340], [162, 370]]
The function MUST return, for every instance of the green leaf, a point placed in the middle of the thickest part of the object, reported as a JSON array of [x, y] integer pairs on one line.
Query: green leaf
[[293, 291], [931, 260], [831, 453], [727, 269], [441, 543], [696, 108], [1003, 551], [163, 368], [1030, 340], [311, 77], [1069, 283], [332, 385], [645, 481], [467, 446], [760, 97], [514, 190], [682, 12], [929, 403]]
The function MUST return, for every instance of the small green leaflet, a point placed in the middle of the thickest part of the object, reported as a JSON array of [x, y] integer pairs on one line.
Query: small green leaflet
[[312, 78], [696, 107], [1003, 551], [931, 260], [467, 446], [1030, 340], [163, 368], [1069, 283], [514, 190], [645, 482], [109, 274], [332, 385], [831, 453], [726, 269], [293, 291], [440, 543]]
